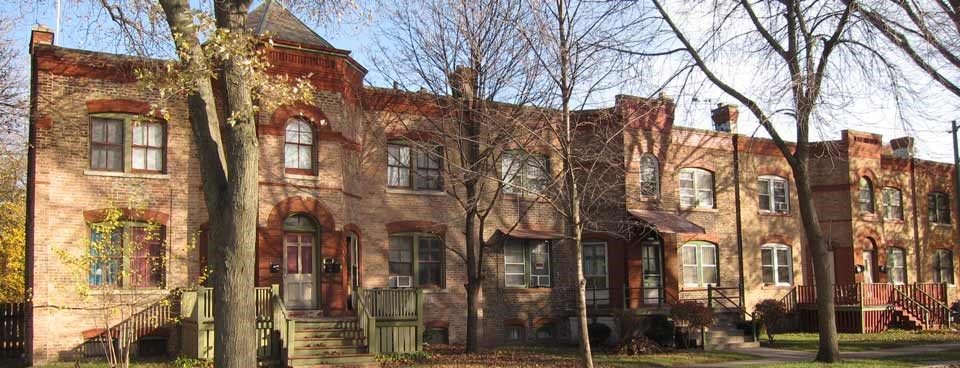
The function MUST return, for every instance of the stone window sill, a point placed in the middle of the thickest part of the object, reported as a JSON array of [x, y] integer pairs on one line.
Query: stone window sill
[[698, 209], [776, 287], [301, 177], [126, 175], [416, 192], [774, 214], [436, 291], [526, 290], [101, 291]]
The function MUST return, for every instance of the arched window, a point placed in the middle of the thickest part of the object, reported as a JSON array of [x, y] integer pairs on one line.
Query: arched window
[[696, 188], [649, 175], [774, 194], [699, 264], [943, 266], [866, 195], [896, 265], [892, 204], [298, 146], [938, 208], [777, 264]]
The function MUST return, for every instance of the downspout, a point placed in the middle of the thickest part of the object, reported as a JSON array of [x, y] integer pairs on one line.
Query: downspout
[[736, 195], [916, 218]]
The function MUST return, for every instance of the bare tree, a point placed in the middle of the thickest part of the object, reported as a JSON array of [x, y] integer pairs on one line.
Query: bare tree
[[926, 32], [467, 55], [805, 51], [565, 38]]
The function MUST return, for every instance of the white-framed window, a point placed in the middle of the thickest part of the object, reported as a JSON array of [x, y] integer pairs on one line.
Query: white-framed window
[[897, 266], [892, 204], [777, 263], [943, 266], [524, 172], [595, 273], [696, 188], [526, 263], [298, 146], [774, 194], [699, 260], [649, 175], [866, 195]]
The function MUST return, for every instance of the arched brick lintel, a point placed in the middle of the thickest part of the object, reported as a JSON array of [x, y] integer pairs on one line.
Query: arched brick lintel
[[292, 205], [119, 105], [132, 214], [404, 226], [776, 238], [282, 114]]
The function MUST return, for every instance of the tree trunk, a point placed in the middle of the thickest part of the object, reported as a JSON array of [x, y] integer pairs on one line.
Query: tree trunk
[[229, 167], [829, 350], [473, 281]]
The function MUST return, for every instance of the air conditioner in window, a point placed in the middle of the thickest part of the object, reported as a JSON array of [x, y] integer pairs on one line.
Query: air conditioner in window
[[781, 207], [540, 280], [401, 281]]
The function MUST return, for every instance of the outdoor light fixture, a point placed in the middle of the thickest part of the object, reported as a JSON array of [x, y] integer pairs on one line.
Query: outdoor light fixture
[[882, 268], [859, 269]]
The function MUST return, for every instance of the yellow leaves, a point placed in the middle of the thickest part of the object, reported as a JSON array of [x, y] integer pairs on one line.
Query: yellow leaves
[[12, 250]]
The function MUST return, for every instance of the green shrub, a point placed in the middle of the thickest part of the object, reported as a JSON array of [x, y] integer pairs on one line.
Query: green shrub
[[417, 357], [770, 314], [184, 362]]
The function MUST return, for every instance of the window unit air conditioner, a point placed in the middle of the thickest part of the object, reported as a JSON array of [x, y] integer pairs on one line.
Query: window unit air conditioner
[[781, 208], [540, 280], [401, 281]]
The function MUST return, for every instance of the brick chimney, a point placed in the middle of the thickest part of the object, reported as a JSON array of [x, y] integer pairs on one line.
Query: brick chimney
[[902, 147], [725, 118], [462, 82], [41, 35]]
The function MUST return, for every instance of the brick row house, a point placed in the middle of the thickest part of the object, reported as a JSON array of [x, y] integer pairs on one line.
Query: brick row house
[[346, 203]]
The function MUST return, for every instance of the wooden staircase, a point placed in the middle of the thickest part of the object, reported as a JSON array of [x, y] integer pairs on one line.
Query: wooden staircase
[[328, 342]]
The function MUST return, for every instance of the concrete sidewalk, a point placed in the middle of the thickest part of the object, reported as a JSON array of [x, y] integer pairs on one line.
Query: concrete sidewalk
[[774, 356]]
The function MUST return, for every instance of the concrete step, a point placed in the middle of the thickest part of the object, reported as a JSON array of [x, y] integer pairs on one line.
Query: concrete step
[[327, 323], [719, 340], [727, 346]]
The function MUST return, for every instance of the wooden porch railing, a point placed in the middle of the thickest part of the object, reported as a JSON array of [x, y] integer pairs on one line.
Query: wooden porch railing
[[197, 310], [393, 303], [367, 322]]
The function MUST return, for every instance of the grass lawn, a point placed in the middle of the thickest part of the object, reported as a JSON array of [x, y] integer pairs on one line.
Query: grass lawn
[[560, 356], [866, 342], [952, 357]]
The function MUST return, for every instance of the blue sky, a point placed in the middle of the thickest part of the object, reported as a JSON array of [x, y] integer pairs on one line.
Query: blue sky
[[81, 28]]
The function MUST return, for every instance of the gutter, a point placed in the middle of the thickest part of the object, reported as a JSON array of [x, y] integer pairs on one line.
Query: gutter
[[736, 194]]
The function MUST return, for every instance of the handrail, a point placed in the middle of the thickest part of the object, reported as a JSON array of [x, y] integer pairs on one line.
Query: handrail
[[913, 305], [943, 312], [753, 319], [282, 325], [790, 301], [366, 322]]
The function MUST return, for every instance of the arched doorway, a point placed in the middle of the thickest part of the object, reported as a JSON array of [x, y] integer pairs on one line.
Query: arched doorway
[[300, 234]]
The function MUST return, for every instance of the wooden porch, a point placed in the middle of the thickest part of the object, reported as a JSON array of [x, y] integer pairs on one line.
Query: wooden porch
[[383, 321], [871, 308]]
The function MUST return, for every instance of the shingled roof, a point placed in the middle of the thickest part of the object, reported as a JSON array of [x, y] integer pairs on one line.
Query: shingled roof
[[271, 18]]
